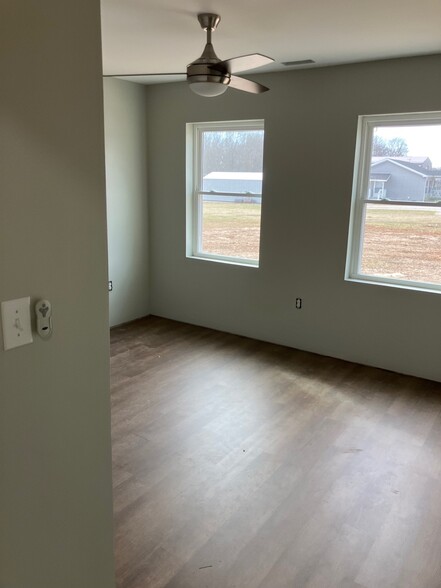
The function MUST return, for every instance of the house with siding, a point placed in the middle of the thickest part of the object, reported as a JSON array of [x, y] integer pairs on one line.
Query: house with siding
[[404, 178]]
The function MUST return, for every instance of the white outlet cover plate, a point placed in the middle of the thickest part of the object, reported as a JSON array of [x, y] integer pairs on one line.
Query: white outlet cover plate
[[16, 322]]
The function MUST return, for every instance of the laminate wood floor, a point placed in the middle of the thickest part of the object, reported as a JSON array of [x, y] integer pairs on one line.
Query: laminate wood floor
[[241, 464]]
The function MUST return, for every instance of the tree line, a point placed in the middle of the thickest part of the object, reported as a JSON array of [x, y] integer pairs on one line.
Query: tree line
[[236, 151], [242, 151]]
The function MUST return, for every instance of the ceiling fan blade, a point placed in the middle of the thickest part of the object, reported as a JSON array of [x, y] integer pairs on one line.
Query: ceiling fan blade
[[245, 62], [246, 85]]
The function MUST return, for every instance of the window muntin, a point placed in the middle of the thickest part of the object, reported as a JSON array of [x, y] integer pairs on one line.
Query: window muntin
[[395, 227], [225, 191]]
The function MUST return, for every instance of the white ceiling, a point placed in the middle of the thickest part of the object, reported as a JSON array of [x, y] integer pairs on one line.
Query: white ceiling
[[153, 36]]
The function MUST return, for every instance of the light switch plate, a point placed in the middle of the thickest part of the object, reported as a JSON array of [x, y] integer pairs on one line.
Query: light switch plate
[[16, 322]]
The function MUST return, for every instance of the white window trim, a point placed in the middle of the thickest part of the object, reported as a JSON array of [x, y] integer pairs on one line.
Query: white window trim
[[194, 192], [366, 124]]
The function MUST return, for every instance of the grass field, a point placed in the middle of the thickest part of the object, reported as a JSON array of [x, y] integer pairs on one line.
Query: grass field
[[400, 242], [231, 229], [403, 242]]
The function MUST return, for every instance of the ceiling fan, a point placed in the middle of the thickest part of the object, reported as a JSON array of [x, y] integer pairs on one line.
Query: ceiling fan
[[210, 76]]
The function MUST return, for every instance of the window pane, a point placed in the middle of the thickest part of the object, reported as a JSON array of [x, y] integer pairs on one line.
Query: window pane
[[231, 226], [405, 163], [402, 242], [232, 161]]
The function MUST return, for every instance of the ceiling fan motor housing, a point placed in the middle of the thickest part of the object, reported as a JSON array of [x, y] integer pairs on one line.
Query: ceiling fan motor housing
[[208, 68], [204, 72]]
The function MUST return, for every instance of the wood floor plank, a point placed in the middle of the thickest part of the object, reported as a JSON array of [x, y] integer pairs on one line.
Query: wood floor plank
[[241, 464]]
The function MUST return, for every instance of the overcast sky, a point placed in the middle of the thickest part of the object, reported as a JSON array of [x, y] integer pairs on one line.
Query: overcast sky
[[421, 140]]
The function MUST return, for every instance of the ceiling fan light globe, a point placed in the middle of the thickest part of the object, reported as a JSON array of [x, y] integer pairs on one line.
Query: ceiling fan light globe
[[208, 89]]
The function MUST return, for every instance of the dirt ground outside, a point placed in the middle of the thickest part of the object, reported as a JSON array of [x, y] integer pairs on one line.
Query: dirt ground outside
[[399, 241], [403, 242], [232, 229]]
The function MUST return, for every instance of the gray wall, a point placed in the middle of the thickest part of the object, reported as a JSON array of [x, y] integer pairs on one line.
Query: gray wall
[[310, 131], [55, 474], [126, 180]]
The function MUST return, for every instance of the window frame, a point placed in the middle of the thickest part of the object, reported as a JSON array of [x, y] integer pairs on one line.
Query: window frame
[[195, 193], [362, 164]]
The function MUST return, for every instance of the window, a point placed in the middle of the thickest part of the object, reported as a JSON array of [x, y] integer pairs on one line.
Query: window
[[224, 190], [395, 227]]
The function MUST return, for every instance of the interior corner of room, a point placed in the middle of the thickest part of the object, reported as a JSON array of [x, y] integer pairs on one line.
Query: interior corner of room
[[310, 124]]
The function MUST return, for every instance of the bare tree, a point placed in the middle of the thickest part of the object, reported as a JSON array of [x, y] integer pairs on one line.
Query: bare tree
[[396, 147]]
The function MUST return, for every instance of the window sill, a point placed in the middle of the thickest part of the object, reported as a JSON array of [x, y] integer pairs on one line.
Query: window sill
[[240, 262], [369, 280]]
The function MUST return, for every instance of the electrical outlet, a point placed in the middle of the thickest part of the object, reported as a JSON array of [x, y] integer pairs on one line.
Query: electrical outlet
[[110, 285], [298, 303]]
